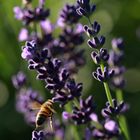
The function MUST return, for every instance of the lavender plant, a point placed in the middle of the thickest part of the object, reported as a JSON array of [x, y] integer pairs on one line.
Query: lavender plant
[[57, 59]]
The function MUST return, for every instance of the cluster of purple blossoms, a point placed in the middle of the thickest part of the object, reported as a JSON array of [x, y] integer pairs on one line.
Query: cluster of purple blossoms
[[82, 114], [30, 15], [109, 130], [24, 101], [65, 45], [49, 69], [110, 112], [25, 97], [104, 72]]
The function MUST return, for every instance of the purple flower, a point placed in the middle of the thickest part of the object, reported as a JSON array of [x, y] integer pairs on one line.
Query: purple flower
[[94, 30], [29, 51], [66, 116], [50, 70], [19, 80], [24, 101], [100, 57], [28, 15], [116, 57], [23, 35], [118, 44], [96, 42], [104, 75], [85, 8], [38, 135], [18, 13], [47, 27], [111, 126], [68, 14], [72, 90], [117, 109], [110, 130], [88, 134], [82, 114]]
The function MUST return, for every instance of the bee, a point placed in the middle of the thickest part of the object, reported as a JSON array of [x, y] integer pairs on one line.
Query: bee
[[45, 111]]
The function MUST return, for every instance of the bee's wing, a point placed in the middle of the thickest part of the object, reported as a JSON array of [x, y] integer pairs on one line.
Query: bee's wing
[[35, 105]]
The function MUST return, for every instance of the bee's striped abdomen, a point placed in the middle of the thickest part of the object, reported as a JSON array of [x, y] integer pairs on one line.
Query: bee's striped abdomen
[[40, 119]]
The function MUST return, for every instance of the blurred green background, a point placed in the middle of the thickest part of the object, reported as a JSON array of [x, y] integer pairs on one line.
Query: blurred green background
[[119, 18]]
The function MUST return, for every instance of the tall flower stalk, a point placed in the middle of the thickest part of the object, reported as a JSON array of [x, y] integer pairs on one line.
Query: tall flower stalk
[[101, 56]]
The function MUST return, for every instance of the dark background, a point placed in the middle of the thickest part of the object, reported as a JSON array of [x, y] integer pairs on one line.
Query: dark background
[[119, 18]]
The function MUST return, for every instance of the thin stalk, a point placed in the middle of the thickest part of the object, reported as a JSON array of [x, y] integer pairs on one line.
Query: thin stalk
[[107, 90], [119, 95], [76, 134], [76, 103], [89, 21], [122, 119]]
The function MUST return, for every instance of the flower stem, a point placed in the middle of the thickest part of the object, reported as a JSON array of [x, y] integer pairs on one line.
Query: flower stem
[[74, 129], [76, 103], [122, 119], [107, 90]]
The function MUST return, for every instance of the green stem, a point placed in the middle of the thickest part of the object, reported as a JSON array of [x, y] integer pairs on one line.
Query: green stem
[[107, 90], [122, 119], [74, 129], [89, 21], [119, 95], [76, 103], [75, 132]]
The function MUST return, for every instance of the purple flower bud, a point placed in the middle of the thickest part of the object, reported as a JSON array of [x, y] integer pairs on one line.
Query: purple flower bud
[[111, 126], [66, 115], [38, 135], [117, 43], [68, 14], [85, 8], [19, 80], [81, 12], [103, 76], [23, 35], [84, 114], [96, 42], [18, 13], [46, 26], [110, 111]]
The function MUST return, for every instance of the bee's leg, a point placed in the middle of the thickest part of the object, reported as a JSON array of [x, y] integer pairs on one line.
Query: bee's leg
[[37, 127], [51, 125]]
